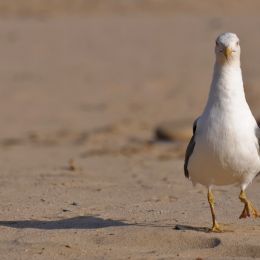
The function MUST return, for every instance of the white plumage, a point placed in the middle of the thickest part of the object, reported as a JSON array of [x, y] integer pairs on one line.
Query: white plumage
[[225, 148]]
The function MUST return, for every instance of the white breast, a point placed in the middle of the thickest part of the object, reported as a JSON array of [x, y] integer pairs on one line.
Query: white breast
[[226, 146]]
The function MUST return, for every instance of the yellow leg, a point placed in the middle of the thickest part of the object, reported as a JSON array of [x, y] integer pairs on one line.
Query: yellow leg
[[215, 227], [249, 208]]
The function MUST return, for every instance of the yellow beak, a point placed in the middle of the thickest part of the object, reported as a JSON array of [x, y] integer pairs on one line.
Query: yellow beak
[[228, 52]]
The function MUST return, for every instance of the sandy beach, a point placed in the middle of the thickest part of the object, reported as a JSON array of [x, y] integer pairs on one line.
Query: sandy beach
[[83, 89]]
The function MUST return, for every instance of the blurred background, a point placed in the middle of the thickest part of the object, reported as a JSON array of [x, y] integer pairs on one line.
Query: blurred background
[[86, 64], [86, 89]]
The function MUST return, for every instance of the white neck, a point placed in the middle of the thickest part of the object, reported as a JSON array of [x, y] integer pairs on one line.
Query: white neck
[[227, 85]]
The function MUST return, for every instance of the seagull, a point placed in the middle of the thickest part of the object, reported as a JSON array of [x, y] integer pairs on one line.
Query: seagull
[[224, 148]]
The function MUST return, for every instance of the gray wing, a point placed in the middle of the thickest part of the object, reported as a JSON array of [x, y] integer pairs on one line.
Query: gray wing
[[257, 133], [190, 149]]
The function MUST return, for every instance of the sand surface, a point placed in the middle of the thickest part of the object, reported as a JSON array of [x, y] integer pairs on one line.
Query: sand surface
[[82, 91]]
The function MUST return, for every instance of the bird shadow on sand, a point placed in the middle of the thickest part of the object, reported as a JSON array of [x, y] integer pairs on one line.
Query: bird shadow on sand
[[89, 222], [81, 222], [191, 228], [174, 227]]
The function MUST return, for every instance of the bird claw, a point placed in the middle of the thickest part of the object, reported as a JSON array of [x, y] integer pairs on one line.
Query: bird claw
[[244, 213], [216, 228], [249, 210]]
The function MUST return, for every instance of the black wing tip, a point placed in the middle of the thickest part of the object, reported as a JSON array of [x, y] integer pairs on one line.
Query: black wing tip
[[189, 150], [186, 172]]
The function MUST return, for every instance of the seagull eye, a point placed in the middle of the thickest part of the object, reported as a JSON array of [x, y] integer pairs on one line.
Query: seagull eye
[[237, 43], [217, 43]]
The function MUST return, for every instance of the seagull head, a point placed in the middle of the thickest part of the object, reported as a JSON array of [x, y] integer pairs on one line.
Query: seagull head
[[227, 48]]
